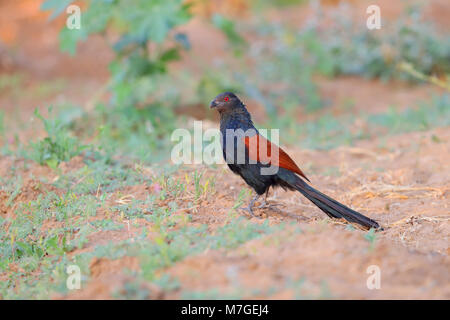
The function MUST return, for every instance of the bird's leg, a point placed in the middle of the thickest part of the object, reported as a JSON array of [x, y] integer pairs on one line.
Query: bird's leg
[[249, 209], [264, 204]]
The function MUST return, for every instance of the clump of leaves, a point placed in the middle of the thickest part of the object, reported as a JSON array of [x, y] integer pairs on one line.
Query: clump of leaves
[[278, 58], [140, 111], [348, 48], [140, 24], [227, 26], [58, 146]]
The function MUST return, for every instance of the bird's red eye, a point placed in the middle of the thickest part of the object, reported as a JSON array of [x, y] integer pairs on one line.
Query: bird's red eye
[[226, 99]]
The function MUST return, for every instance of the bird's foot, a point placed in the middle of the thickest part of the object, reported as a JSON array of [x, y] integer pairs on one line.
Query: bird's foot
[[262, 205], [267, 205], [250, 211]]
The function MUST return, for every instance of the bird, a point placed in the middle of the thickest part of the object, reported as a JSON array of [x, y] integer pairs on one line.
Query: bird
[[243, 150]]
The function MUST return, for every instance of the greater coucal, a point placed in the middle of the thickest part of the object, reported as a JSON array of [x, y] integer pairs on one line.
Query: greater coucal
[[258, 153]]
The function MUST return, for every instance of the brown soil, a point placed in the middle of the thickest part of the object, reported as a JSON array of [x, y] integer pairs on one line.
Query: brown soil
[[409, 196], [323, 253]]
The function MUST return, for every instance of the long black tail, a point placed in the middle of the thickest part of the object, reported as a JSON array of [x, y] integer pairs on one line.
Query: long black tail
[[333, 208]]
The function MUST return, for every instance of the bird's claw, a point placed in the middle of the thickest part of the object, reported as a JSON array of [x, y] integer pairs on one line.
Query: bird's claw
[[268, 205], [250, 211], [265, 204], [262, 205]]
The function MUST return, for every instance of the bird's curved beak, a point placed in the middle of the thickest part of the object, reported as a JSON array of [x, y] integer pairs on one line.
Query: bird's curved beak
[[213, 104]]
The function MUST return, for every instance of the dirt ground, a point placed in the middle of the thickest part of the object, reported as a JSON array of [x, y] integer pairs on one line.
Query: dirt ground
[[402, 181], [409, 197]]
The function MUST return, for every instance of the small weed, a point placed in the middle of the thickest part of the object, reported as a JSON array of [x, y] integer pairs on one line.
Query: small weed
[[58, 146], [243, 194], [198, 190], [371, 237], [2, 124]]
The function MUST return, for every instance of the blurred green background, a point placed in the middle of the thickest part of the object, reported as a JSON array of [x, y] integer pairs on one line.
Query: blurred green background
[[136, 70]]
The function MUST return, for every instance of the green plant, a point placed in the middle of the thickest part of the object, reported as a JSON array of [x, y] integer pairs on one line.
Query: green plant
[[198, 188], [433, 113], [371, 237], [243, 194], [347, 48], [329, 131], [140, 111], [280, 58], [2, 124], [58, 146], [227, 26]]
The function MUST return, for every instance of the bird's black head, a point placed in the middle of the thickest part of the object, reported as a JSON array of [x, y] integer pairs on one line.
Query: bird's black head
[[226, 101]]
